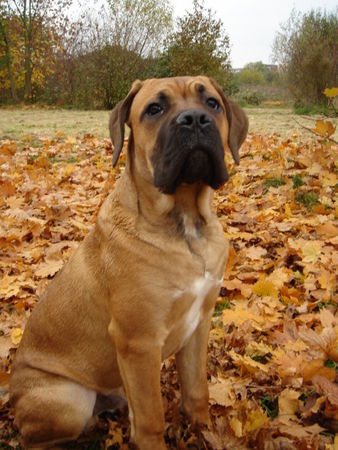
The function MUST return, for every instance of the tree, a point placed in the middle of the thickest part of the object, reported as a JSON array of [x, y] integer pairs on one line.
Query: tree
[[6, 59], [39, 21], [139, 26], [200, 46], [251, 76], [306, 49], [116, 47], [258, 73]]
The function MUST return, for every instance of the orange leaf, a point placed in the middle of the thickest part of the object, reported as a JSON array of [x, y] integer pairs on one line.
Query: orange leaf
[[265, 288], [325, 128]]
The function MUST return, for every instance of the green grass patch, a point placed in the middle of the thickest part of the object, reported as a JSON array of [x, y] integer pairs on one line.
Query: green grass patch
[[331, 364], [72, 160], [270, 405], [307, 199], [304, 110], [53, 159], [273, 182], [220, 307], [297, 181]]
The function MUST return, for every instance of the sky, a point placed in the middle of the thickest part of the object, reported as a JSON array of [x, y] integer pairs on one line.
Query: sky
[[252, 24]]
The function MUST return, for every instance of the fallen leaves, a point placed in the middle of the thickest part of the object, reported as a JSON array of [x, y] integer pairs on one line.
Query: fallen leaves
[[324, 128], [273, 351]]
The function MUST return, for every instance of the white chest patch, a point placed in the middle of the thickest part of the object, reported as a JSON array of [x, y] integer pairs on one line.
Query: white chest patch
[[200, 288]]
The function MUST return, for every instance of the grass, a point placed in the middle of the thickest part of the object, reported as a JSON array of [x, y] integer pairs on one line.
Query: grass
[[274, 182], [297, 181], [32, 124], [307, 199]]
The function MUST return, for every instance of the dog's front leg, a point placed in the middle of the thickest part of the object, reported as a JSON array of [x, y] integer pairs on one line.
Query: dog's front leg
[[139, 362], [191, 363]]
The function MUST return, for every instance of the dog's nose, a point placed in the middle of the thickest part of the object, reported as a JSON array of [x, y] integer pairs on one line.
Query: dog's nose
[[192, 118]]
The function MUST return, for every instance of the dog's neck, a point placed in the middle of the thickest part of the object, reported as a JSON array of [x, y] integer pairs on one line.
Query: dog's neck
[[184, 213]]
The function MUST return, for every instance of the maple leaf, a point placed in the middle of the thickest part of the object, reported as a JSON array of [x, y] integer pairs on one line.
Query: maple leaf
[[288, 402], [244, 288], [316, 367], [331, 92], [328, 388], [326, 341], [256, 252], [255, 420], [236, 426], [239, 315], [248, 363], [311, 251], [265, 288], [49, 268], [325, 128]]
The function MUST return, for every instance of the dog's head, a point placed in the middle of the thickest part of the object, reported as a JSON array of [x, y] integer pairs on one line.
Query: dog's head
[[179, 129]]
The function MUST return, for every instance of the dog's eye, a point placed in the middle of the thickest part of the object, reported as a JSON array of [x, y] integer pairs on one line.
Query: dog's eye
[[213, 103], [153, 109]]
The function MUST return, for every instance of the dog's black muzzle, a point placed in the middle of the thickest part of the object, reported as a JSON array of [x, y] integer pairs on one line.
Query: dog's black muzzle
[[189, 149]]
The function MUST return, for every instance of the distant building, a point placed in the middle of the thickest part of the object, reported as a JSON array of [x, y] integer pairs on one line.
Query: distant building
[[272, 67]]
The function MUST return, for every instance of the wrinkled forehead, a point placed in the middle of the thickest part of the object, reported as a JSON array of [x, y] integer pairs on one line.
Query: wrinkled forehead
[[175, 89]]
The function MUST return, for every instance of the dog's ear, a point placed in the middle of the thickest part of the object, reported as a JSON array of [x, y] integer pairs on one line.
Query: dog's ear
[[238, 123], [118, 118]]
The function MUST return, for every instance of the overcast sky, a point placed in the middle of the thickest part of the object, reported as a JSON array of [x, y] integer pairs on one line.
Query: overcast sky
[[252, 24]]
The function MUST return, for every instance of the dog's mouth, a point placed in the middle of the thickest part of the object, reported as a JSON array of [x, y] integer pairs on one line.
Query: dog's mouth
[[197, 167], [186, 156]]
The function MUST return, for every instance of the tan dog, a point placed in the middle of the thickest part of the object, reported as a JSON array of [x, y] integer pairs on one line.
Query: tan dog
[[143, 284]]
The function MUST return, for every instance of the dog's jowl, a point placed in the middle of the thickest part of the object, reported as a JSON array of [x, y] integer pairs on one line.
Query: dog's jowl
[[143, 283]]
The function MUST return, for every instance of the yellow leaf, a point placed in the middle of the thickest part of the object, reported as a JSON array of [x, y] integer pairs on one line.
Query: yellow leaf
[[49, 268], [326, 280], [311, 252], [238, 316], [68, 170], [222, 394], [256, 419], [16, 335], [329, 179], [288, 402], [248, 363], [237, 427], [325, 128], [257, 348], [287, 210], [265, 288], [331, 92], [70, 140], [279, 277]]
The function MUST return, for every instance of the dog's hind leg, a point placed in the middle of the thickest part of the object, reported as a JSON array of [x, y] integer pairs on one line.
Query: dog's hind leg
[[49, 409]]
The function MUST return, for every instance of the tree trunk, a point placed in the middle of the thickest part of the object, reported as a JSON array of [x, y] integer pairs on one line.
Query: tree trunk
[[27, 28], [28, 75], [9, 64]]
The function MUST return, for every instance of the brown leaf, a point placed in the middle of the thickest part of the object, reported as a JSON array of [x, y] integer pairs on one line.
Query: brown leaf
[[328, 388]]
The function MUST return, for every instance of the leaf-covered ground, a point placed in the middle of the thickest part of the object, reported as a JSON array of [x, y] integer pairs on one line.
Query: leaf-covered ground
[[274, 342]]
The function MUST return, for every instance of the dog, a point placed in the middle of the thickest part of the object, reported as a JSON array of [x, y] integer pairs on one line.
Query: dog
[[143, 284]]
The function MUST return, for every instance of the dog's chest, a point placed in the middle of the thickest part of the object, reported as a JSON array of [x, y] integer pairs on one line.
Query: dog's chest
[[191, 305]]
